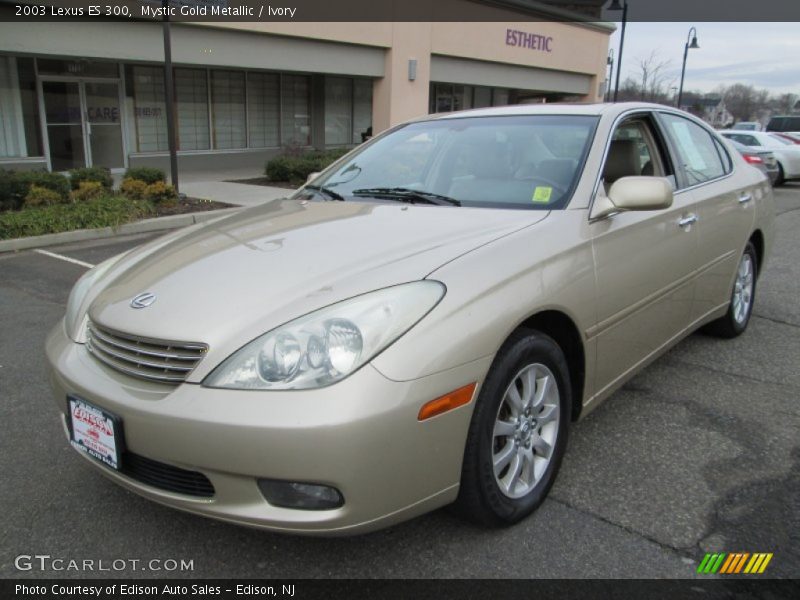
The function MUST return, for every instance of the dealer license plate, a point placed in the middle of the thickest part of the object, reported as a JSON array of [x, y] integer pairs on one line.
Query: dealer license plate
[[95, 431]]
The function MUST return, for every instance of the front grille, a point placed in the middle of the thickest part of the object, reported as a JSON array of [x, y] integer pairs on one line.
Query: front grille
[[165, 477], [145, 358]]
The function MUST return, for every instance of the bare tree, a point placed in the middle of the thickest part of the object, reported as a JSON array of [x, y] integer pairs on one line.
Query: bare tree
[[740, 99], [650, 83], [784, 103], [655, 85]]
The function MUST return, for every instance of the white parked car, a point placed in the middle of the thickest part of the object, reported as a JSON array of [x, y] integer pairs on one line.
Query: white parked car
[[786, 153]]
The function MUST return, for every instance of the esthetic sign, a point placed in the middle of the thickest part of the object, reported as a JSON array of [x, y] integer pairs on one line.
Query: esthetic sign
[[532, 41]]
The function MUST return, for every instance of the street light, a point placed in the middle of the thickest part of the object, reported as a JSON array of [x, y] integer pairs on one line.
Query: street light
[[610, 63], [691, 44], [615, 5]]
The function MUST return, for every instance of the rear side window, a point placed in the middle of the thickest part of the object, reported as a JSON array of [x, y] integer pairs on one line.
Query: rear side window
[[742, 138], [697, 150]]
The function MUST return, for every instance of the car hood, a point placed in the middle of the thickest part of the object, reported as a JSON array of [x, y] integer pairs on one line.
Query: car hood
[[228, 281]]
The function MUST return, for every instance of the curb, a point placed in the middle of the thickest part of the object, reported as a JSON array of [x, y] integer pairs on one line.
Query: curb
[[143, 226]]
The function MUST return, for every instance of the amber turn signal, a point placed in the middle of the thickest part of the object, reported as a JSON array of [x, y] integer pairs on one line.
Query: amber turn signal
[[449, 401]]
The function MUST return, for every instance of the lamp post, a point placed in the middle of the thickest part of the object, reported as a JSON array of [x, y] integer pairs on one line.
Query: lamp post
[[169, 97], [610, 63], [615, 5], [691, 44]]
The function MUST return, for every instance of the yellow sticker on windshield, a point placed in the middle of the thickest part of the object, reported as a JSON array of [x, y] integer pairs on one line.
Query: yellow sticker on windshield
[[542, 194]]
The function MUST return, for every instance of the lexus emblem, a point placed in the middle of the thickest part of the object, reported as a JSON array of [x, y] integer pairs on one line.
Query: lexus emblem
[[143, 300]]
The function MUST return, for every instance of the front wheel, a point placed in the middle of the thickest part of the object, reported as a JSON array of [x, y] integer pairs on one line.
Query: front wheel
[[518, 432], [735, 321]]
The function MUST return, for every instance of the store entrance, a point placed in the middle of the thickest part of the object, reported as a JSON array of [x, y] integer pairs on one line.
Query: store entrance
[[84, 123]]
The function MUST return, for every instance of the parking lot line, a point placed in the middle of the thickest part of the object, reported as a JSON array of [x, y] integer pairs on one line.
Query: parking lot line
[[65, 258]]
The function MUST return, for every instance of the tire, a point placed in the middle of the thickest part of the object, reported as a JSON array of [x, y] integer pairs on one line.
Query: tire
[[495, 500], [735, 320], [781, 176]]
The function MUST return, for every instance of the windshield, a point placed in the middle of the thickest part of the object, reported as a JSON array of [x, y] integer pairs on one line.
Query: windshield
[[525, 162]]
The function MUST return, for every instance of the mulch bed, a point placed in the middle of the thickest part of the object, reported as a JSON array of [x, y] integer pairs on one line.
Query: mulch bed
[[265, 181], [189, 205]]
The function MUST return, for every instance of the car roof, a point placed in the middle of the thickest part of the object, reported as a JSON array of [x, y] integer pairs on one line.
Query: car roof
[[553, 108]]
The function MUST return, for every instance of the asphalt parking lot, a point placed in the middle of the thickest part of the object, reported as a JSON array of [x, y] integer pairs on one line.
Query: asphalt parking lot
[[698, 453]]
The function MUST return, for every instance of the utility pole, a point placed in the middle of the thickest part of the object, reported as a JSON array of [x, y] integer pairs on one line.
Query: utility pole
[[169, 96]]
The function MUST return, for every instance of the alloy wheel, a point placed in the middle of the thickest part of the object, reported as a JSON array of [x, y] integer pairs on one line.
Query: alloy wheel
[[525, 430], [743, 289]]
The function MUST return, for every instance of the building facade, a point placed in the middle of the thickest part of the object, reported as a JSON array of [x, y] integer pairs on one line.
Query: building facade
[[76, 94]]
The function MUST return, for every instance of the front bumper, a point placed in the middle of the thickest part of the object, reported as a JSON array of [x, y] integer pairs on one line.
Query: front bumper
[[360, 436]]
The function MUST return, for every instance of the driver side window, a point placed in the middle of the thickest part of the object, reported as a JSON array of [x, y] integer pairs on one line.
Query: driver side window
[[634, 151]]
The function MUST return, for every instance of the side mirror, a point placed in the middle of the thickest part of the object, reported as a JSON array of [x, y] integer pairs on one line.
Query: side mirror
[[633, 193], [312, 176]]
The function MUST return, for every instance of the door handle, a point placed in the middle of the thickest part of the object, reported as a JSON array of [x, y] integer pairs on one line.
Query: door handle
[[745, 198], [687, 220]]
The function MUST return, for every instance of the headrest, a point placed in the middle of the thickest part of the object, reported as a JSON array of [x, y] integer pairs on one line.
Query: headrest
[[622, 161]]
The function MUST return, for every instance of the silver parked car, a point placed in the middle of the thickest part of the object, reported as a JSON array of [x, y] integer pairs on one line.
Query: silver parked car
[[416, 327], [761, 158]]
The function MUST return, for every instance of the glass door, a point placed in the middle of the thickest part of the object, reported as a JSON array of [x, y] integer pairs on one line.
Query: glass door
[[84, 124], [63, 115], [103, 125]]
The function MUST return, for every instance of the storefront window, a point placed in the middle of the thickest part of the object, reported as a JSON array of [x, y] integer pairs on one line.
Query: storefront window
[[20, 134], [146, 106], [500, 97], [482, 97], [348, 110], [295, 110], [338, 110], [447, 97], [227, 97], [191, 97], [462, 97], [441, 98], [263, 106], [362, 110]]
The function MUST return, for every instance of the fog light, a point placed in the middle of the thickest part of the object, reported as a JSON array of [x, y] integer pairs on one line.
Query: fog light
[[305, 496]]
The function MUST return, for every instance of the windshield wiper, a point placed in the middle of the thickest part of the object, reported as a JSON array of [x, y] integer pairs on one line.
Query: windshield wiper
[[329, 193], [410, 195]]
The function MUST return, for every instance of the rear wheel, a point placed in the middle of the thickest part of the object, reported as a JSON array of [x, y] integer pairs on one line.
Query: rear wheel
[[518, 432], [742, 296], [781, 176]]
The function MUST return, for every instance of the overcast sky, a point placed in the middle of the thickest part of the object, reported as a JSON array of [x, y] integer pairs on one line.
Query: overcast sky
[[766, 55]]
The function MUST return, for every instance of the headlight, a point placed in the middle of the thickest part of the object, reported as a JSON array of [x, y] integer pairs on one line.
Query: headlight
[[77, 304], [329, 344]]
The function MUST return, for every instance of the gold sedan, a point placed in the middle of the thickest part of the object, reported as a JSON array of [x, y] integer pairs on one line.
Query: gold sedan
[[415, 327]]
